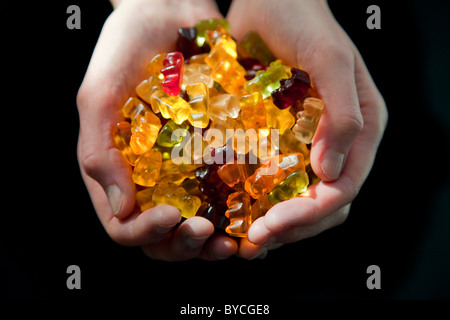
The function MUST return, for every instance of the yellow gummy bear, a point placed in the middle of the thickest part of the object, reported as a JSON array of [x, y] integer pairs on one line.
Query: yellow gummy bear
[[174, 195]]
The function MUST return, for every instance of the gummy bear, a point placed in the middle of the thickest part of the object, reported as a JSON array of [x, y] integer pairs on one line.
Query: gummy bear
[[216, 214], [167, 137], [177, 178], [174, 195], [165, 151], [168, 168], [282, 120], [239, 213], [144, 198], [260, 207], [226, 70], [146, 88], [144, 132], [269, 175], [133, 108], [308, 119], [253, 111], [225, 41], [252, 46], [199, 101], [288, 143], [291, 90], [197, 72], [223, 106], [210, 24], [216, 192], [173, 73], [294, 184], [173, 107], [252, 66], [268, 80], [147, 168], [122, 136], [232, 173]]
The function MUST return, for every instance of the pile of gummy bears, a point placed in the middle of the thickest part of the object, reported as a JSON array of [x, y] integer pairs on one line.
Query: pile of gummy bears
[[242, 120]]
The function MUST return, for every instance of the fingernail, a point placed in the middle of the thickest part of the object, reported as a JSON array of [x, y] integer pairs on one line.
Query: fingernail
[[114, 197], [195, 242], [332, 164]]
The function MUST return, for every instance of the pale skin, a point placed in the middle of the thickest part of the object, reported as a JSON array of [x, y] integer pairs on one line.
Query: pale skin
[[304, 35]]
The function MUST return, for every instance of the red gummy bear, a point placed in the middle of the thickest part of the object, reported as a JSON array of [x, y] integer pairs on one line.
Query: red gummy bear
[[173, 73], [292, 89]]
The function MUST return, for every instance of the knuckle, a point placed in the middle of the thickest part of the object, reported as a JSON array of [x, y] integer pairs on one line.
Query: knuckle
[[351, 123], [349, 189], [330, 50], [90, 163]]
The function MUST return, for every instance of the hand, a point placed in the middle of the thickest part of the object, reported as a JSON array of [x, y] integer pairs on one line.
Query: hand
[[132, 35], [304, 34]]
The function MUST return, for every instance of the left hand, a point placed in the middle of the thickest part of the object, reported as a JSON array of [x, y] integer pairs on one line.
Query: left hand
[[304, 34]]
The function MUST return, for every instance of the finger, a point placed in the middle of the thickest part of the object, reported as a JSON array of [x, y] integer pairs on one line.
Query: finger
[[307, 231], [148, 227], [108, 179], [263, 236], [342, 121], [184, 243], [218, 247]]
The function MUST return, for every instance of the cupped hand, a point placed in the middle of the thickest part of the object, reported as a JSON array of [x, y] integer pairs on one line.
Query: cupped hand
[[135, 32], [305, 34]]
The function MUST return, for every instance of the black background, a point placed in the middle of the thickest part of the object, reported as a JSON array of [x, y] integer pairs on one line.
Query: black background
[[399, 221]]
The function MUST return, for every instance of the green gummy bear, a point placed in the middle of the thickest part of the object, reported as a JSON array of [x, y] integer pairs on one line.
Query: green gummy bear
[[254, 47], [268, 80], [294, 184], [209, 24], [165, 138]]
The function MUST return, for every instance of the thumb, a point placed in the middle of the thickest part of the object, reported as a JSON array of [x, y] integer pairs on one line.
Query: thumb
[[107, 84], [333, 73], [101, 163]]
